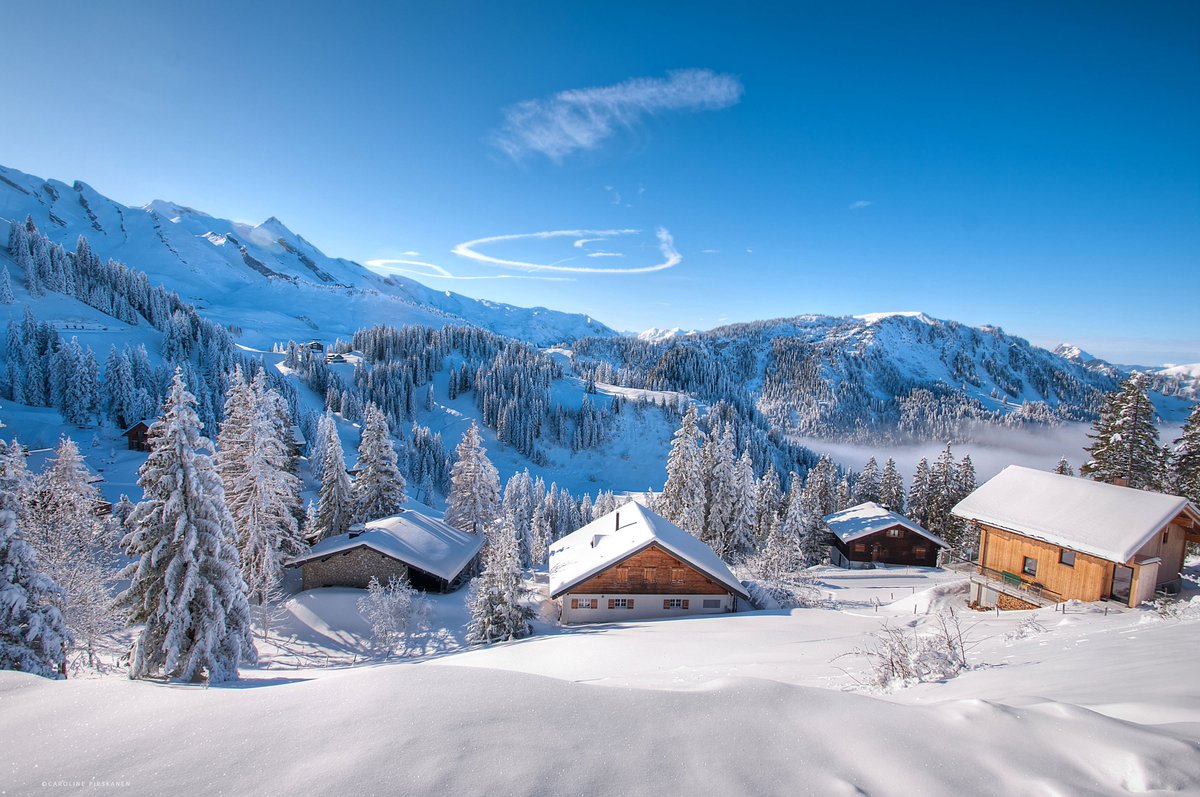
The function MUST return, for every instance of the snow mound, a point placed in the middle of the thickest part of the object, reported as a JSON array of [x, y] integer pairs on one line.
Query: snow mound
[[939, 598]]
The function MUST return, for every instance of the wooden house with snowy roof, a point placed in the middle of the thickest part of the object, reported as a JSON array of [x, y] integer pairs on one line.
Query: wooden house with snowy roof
[[869, 534], [1046, 538], [632, 564], [432, 554], [138, 435]]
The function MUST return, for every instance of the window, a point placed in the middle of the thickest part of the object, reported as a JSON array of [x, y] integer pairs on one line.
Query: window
[[860, 547], [648, 573], [893, 532], [623, 574], [620, 603], [585, 603], [712, 603], [677, 575], [1166, 536], [1030, 567], [1066, 557], [920, 551], [675, 603]]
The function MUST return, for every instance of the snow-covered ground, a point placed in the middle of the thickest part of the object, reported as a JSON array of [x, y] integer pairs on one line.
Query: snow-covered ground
[[750, 703]]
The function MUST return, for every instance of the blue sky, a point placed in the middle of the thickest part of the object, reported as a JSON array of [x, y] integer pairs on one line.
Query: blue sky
[[1031, 165]]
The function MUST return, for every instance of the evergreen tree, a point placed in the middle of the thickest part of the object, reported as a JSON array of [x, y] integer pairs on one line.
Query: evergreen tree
[[1186, 460], [33, 635], [1063, 468], [261, 492], [474, 501], [891, 487], [494, 601], [186, 586], [73, 547], [683, 497], [1126, 447], [335, 501], [867, 486], [722, 493], [744, 516], [918, 494], [6, 294], [769, 498], [379, 487]]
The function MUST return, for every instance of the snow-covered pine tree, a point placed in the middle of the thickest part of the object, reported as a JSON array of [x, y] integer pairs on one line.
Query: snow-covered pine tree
[[769, 497], [33, 635], [474, 501], [919, 494], [1186, 459], [495, 597], [943, 495], [1063, 468], [1126, 448], [6, 294], [867, 484], [891, 487], [335, 501], [745, 509], [682, 500], [261, 492], [186, 586], [73, 547], [722, 493], [379, 487]]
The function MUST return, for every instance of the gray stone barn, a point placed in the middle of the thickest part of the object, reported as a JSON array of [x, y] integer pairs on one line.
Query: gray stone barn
[[431, 553]]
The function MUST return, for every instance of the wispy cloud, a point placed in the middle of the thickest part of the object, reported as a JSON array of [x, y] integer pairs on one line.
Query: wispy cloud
[[860, 204], [666, 247], [418, 268], [583, 119], [606, 254]]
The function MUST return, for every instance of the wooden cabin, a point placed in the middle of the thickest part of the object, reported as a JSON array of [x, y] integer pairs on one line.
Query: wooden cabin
[[431, 553], [1046, 538], [138, 435], [632, 564], [869, 534]]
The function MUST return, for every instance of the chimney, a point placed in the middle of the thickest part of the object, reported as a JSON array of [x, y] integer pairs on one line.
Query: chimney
[[618, 526]]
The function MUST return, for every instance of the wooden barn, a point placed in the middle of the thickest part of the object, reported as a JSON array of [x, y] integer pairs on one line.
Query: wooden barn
[[431, 553], [869, 534], [632, 564], [1046, 538], [138, 435]]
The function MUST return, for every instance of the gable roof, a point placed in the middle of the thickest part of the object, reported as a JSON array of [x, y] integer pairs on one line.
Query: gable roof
[[423, 542], [143, 422], [1100, 519], [869, 518], [622, 533]]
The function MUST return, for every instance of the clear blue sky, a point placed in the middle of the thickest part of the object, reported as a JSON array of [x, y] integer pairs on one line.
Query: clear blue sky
[[1033, 165]]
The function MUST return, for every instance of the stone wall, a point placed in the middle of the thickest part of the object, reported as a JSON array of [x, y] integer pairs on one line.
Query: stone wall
[[352, 568]]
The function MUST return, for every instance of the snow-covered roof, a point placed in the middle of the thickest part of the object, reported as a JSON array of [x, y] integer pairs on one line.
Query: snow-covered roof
[[622, 533], [859, 521], [1100, 519], [423, 542], [143, 422]]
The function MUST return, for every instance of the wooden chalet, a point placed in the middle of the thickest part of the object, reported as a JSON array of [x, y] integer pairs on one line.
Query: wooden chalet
[[138, 435], [632, 564], [431, 553], [1046, 538], [869, 534]]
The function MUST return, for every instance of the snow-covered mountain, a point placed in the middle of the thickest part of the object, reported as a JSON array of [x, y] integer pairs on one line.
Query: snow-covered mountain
[[265, 279], [870, 376]]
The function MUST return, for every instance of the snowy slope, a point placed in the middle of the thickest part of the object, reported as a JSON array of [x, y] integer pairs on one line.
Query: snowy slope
[[265, 279]]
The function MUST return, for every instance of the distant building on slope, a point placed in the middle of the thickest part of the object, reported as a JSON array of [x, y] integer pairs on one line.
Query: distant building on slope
[[1046, 538], [632, 564], [431, 553], [138, 435], [870, 534]]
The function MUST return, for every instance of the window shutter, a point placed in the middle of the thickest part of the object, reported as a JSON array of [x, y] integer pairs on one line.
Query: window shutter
[[612, 604], [595, 602], [574, 603], [685, 603], [666, 604], [630, 605]]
